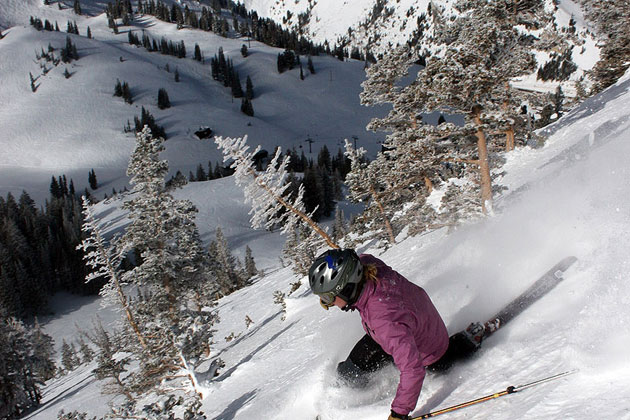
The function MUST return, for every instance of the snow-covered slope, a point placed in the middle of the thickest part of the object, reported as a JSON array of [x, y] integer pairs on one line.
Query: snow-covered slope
[[69, 126], [570, 197]]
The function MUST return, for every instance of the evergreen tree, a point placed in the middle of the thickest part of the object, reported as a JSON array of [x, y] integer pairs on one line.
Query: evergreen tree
[[237, 89], [249, 89], [246, 107], [77, 7], [272, 204], [87, 354], [163, 100], [224, 265], [364, 185], [118, 89], [339, 227], [91, 180], [110, 365], [250, 264], [43, 352], [33, 86], [201, 173], [20, 384], [610, 17], [197, 56], [68, 356], [482, 50], [173, 269]]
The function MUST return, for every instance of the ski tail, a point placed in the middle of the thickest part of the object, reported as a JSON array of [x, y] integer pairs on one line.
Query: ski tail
[[537, 290]]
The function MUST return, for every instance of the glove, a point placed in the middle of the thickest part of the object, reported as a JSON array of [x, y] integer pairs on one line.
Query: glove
[[395, 416]]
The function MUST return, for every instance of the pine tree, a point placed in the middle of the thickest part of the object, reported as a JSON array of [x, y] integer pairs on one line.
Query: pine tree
[[364, 185], [110, 365], [173, 267], [77, 7], [197, 55], [201, 173], [91, 180], [246, 107], [118, 89], [163, 101], [33, 86], [482, 50], [249, 89], [250, 264], [43, 352], [87, 354], [68, 356], [20, 385], [610, 17], [237, 89], [272, 205], [224, 265], [339, 228]]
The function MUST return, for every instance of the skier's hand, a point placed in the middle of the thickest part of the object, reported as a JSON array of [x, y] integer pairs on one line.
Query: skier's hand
[[395, 416]]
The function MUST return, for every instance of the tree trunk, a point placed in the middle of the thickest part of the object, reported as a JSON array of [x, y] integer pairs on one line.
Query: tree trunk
[[509, 139], [301, 214], [484, 166], [388, 226], [121, 294]]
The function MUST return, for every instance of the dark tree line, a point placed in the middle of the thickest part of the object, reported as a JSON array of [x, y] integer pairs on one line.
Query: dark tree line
[[146, 118], [322, 180], [122, 90], [46, 25], [164, 46], [559, 68], [38, 254], [250, 24], [69, 52], [222, 70]]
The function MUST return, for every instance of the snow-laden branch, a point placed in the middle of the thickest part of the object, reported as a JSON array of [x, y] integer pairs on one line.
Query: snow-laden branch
[[104, 260], [267, 190]]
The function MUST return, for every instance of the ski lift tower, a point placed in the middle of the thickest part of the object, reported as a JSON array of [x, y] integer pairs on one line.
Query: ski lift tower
[[310, 142]]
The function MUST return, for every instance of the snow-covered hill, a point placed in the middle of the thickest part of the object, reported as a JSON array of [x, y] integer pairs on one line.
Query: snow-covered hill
[[69, 126], [570, 197]]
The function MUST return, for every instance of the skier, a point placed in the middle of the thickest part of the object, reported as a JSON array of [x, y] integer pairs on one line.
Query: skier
[[402, 324]]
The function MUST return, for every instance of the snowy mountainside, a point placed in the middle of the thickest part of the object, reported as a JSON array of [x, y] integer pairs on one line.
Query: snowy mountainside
[[574, 199], [71, 125], [381, 24]]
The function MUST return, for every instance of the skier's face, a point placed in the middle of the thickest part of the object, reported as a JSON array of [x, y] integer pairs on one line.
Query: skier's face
[[339, 302]]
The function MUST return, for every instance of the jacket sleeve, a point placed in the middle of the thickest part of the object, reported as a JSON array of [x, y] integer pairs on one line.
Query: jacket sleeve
[[397, 340]]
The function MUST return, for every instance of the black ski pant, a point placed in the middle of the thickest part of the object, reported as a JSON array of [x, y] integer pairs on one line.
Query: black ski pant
[[368, 356]]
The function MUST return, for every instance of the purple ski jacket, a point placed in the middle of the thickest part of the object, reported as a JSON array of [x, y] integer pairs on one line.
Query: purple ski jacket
[[401, 318]]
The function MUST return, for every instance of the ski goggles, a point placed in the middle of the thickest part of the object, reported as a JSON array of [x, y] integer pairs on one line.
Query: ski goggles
[[327, 300]]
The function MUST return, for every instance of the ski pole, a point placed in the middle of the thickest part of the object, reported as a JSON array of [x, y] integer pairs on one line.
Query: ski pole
[[508, 390]]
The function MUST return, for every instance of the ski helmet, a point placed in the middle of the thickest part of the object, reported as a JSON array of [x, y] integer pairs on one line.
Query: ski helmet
[[336, 272]]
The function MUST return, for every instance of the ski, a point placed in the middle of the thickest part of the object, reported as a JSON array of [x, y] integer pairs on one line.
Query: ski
[[465, 343], [538, 289]]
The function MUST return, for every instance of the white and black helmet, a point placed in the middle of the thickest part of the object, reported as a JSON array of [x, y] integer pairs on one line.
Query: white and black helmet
[[336, 272]]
